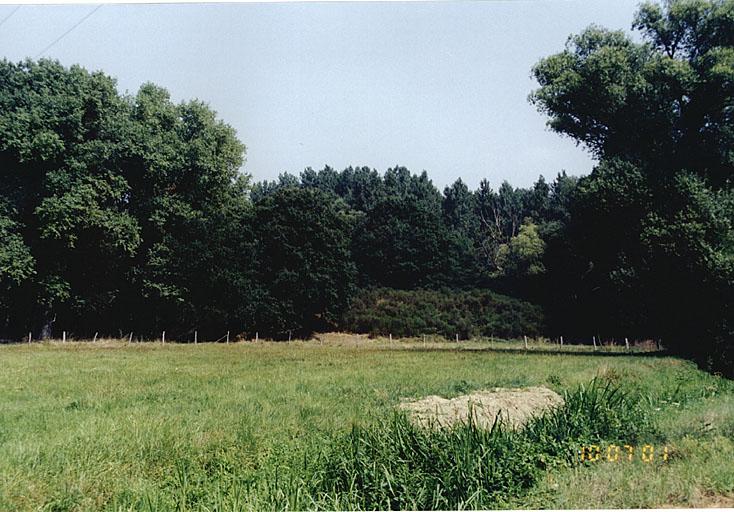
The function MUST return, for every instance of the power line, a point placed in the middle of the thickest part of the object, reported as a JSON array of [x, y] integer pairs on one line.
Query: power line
[[6, 18], [68, 31]]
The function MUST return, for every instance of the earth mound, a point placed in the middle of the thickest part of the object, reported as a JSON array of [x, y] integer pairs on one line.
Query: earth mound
[[515, 406]]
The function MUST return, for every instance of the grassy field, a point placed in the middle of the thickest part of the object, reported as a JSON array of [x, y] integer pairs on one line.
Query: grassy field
[[147, 426]]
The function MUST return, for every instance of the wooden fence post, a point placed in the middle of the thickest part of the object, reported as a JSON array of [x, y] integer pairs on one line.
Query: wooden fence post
[[163, 337], [457, 337], [627, 344], [130, 338], [257, 336], [227, 336], [424, 340], [94, 340], [390, 338], [29, 337], [196, 337], [526, 342], [561, 340], [594, 341]]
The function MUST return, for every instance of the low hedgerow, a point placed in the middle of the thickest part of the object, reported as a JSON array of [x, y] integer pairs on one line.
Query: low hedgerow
[[468, 313], [398, 465]]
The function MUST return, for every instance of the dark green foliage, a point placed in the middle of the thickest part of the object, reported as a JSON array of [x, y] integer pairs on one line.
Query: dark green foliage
[[409, 236], [404, 244], [116, 212], [397, 465], [128, 213], [444, 312], [305, 274], [61, 192], [189, 197], [651, 232], [403, 240]]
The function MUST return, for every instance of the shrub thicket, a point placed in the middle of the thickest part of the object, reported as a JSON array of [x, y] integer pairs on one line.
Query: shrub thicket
[[446, 312]]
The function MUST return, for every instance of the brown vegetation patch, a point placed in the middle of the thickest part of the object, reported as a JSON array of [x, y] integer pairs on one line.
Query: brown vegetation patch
[[701, 499], [341, 339], [515, 406]]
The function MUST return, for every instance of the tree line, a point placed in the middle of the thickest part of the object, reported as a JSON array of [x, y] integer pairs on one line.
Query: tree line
[[123, 212]]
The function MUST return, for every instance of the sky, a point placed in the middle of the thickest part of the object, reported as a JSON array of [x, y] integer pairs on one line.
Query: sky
[[435, 86]]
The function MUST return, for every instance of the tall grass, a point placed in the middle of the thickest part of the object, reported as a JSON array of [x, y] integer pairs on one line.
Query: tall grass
[[398, 465]]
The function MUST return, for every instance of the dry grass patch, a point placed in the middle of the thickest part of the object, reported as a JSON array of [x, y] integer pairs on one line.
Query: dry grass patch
[[515, 406]]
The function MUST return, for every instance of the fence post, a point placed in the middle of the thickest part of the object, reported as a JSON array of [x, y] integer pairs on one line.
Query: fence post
[[627, 344], [196, 337], [424, 340], [526, 342], [457, 337], [227, 336], [63, 336], [94, 340], [257, 336], [130, 338], [29, 337], [163, 337], [390, 338], [561, 340], [594, 340]]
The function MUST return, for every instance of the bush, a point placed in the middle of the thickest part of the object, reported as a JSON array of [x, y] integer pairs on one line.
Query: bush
[[446, 312]]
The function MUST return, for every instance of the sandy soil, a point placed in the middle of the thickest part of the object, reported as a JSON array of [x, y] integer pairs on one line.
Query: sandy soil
[[516, 406]]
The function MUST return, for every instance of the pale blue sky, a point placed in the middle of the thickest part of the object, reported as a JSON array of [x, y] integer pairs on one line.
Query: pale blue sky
[[437, 86]]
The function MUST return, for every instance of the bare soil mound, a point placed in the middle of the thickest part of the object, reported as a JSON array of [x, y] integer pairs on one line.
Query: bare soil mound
[[515, 406]]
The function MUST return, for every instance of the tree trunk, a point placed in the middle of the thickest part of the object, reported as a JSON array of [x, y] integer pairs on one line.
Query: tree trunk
[[46, 325]]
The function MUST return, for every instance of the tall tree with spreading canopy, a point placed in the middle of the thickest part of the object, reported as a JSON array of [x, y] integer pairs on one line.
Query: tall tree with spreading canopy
[[654, 223], [63, 195], [182, 166], [114, 210]]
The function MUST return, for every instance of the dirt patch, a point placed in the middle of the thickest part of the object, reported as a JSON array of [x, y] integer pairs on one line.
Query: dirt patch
[[341, 339], [514, 405], [710, 499], [705, 499]]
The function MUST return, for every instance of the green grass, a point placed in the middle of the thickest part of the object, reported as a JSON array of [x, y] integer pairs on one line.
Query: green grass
[[397, 465], [147, 426]]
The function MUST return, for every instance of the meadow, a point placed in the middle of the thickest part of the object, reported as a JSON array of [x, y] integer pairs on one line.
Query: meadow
[[151, 426]]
